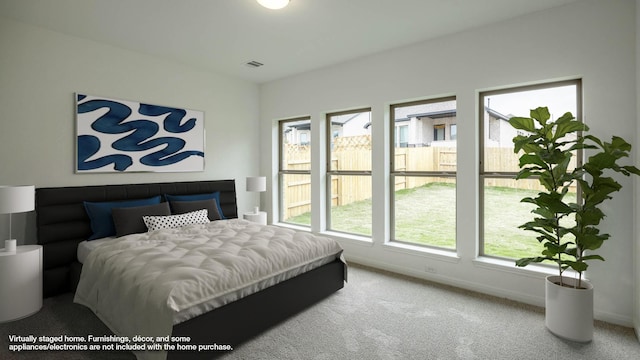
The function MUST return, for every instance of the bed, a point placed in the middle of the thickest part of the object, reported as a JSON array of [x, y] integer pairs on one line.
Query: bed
[[62, 223]]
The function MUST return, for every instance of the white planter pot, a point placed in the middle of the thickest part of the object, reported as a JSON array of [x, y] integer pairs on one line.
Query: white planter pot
[[569, 311]]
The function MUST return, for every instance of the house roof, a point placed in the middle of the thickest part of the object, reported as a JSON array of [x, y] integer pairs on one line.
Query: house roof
[[435, 114], [343, 119], [300, 125], [497, 115]]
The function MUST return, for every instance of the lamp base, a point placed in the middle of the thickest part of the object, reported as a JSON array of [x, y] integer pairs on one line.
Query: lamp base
[[10, 246]]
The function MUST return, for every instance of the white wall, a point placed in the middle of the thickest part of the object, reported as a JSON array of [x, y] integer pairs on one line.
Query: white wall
[[636, 212], [594, 40], [41, 70]]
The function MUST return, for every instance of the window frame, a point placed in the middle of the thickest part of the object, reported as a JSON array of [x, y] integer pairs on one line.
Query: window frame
[[398, 135], [483, 175], [282, 171], [393, 173], [330, 172], [439, 129]]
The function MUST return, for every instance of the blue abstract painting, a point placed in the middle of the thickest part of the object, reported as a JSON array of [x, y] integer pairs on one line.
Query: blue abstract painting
[[127, 136]]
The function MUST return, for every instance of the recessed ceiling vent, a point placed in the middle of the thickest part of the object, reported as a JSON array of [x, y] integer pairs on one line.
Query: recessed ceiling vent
[[254, 64]]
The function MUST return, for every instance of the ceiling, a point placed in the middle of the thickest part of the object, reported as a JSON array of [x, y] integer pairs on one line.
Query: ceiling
[[223, 35]]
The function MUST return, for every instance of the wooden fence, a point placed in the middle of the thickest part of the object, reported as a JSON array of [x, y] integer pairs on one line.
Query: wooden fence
[[297, 187], [354, 153]]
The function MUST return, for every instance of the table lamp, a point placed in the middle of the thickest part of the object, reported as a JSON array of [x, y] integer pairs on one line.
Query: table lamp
[[256, 184], [15, 199]]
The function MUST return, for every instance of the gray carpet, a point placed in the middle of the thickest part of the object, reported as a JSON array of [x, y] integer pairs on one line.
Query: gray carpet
[[377, 315]]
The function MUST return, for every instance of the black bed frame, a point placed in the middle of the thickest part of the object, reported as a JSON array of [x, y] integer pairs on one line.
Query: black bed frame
[[62, 223]]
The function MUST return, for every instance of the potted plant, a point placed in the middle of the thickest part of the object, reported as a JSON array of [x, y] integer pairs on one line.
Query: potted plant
[[567, 226]]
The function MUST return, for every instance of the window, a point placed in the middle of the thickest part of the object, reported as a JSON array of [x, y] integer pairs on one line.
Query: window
[[454, 132], [402, 133], [349, 172], [423, 177], [501, 209], [304, 138], [295, 171], [438, 132]]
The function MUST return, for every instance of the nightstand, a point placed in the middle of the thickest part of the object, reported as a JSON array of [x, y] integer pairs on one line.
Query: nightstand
[[20, 282], [260, 217]]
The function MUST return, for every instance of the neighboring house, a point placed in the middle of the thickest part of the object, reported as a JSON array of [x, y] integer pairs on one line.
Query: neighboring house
[[432, 124], [298, 132], [355, 124], [436, 125], [498, 132], [416, 126]]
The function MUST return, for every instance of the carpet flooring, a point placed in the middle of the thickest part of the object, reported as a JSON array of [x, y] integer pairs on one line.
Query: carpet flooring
[[378, 315]]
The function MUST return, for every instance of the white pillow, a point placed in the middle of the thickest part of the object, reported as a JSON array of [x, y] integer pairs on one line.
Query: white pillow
[[176, 221]]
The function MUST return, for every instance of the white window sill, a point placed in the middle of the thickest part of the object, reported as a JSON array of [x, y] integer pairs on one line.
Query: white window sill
[[438, 254], [293, 227], [355, 239], [360, 240]]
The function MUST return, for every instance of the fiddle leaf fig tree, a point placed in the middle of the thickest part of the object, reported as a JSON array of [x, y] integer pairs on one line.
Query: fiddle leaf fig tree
[[567, 226]]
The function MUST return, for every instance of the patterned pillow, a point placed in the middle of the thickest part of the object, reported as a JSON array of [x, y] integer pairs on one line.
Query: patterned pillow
[[176, 221]]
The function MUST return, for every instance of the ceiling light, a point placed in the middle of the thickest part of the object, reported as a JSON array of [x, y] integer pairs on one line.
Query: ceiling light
[[273, 4]]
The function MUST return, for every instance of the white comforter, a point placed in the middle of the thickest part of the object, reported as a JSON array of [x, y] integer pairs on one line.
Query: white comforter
[[137, 284]]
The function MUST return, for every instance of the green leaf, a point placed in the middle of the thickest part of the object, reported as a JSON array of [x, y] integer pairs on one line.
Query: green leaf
[[522, 123], [560, 170], [631, 169], [578, 266], [600, 190], [602, 160], [545, 213], [524, 173], [525, 143], [592, 257], [567, 124], [620, 144], [589, 216], [591, 241], [532, 159], [527, 261], [553, 202], [594, 139], [541, 114]]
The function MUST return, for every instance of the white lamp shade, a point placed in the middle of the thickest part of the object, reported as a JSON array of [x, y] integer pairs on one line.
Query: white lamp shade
[[256, 183], [17, 199], [273, 4]]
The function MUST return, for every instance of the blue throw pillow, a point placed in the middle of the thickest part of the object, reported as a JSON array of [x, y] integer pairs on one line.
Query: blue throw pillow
[[101, 217], [214, 195]]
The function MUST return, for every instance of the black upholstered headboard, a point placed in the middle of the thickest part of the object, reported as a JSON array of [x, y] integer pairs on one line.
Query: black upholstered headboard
[[62, 221]]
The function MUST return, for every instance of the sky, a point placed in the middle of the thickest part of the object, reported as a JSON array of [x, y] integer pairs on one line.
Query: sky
[[559, 100]]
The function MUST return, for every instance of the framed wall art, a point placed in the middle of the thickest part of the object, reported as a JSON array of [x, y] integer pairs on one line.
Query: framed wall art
[[127, 136]]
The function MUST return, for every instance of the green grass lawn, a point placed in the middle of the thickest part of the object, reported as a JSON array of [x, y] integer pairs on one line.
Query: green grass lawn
[[426, 215]]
